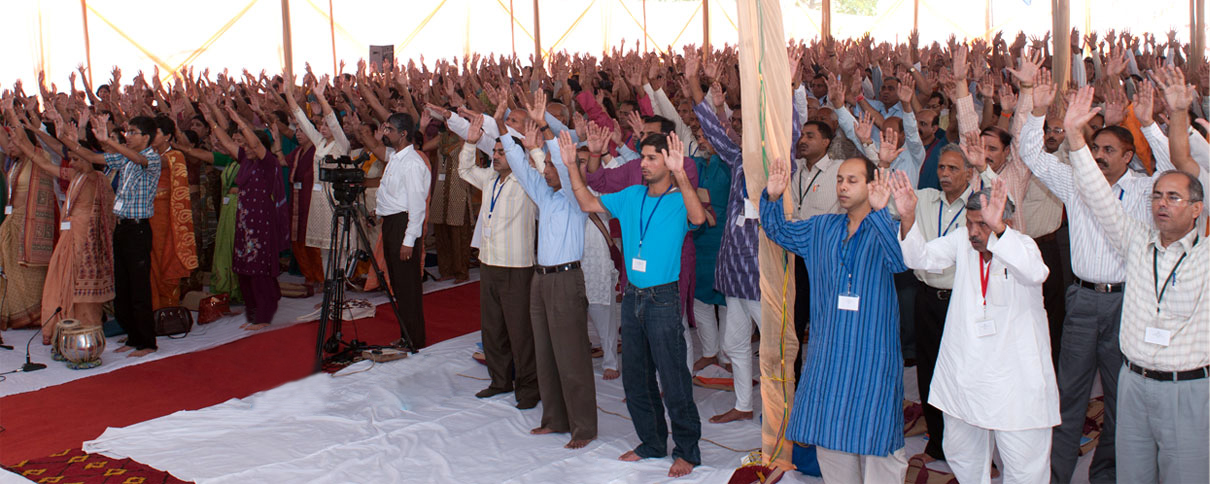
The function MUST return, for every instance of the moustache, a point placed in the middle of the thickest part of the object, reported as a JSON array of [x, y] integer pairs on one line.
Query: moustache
[[975, 240], [1101, 162]]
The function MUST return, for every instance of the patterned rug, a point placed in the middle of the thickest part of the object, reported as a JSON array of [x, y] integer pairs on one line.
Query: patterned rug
[[74, 466]]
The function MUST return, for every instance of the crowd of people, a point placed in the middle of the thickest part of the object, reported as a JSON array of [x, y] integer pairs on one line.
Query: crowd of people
[[950, 207]]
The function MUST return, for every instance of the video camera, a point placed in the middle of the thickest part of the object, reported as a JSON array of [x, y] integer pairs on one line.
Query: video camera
[[345, 175]]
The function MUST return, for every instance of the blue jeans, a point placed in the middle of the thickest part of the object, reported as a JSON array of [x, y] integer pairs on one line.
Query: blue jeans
[[654, 342]]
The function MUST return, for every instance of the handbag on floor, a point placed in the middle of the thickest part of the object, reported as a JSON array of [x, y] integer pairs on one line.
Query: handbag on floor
[[172, 321], [212, 308]]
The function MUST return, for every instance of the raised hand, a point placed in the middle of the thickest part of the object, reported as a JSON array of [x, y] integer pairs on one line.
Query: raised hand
[[1028, 70], [779, 179], [1044, 91], [674, 156], [567, 150], [836, 92], [887, 152], [865, 128], [718, 98], [879, 190], [1116, 105], [533, 136], [904, 195], [1079, 112], [475, 132], [598, 136], [993, 210], [907, 88], [537, 109], [1008, 100], [975, 151], [1177, 94]]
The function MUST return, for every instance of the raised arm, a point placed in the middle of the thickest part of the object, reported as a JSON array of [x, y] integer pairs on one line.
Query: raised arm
[[795, 236], [258, 150], [589, 203], [1092, 186], [674, 158]]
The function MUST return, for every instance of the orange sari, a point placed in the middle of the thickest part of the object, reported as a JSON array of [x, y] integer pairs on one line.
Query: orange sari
[[173, 243], [80, 276]]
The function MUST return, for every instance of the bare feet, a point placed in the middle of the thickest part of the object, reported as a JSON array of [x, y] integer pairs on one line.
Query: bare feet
[[122, 341], [704, 362], [611, 374], [123, 349], [727, 367], [541, 431], [629, 456], [680, 468], [577, 444], [597, 352], [141, 353], [731, 416], [995, 472], [255, 327]]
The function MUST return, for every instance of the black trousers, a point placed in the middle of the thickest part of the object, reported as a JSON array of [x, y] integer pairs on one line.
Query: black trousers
[[931, 307], [1054, 290], [406, 278], [802, 313], [132, 282]]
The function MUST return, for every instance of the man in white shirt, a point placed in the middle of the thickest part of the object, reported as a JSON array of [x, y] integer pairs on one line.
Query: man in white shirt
[[1163, 413], [505, 232], [938, 213], [994, 378], [401, 201]]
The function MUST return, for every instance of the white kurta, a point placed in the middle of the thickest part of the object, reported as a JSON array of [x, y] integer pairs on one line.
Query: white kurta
[[999, 381]]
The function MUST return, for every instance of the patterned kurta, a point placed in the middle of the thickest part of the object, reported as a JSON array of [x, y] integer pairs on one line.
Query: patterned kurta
[[451, 200], [260, 225], [850, 398]]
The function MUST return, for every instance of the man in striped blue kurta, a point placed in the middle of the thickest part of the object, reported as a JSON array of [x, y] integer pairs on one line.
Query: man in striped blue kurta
[[849, 402]]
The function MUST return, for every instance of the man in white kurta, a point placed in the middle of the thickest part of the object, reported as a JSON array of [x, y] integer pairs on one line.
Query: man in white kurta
[[994, 378]]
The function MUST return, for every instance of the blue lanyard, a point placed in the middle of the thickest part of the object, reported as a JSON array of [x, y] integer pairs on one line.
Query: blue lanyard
[[940, 206], [1121, 193], [495, 195], [644, 225]]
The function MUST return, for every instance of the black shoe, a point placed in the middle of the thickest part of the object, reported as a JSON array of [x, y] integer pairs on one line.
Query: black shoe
[[527, 405], [490, 392]]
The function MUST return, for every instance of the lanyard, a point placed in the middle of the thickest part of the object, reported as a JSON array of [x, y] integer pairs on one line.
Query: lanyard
[[940, 207], [1121, 193], [73, 191], [985, 275], [495, 195], [804, 190], [644, 225], [844, 265], [1155, 270]]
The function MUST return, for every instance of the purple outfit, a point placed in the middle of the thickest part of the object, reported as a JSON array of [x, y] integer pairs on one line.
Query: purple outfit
[[261, 232], [738, 270]]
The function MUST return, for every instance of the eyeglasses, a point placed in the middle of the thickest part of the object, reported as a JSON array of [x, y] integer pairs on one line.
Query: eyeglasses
[[1173, 198], [1054, 130]]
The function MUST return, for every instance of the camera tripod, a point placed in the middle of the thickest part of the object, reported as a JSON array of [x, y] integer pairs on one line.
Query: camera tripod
[[347, 218]]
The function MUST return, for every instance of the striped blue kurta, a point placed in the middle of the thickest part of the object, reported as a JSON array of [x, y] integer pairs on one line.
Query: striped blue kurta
[[850, 398]]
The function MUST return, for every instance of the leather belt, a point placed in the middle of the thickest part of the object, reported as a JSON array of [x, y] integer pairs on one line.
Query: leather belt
[[132, 221], [556, 269], [1101, 287], [941, 294], [1197, 374]]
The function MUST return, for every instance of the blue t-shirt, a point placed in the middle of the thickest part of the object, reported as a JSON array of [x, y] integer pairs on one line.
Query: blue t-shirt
[[666, 223]]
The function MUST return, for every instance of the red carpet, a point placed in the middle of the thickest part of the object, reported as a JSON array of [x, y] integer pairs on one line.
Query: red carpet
[[75, 466], [41, 423]]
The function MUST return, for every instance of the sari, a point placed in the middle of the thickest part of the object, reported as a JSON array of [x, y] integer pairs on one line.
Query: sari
[[27, 240], [80, 275], [173, 246], [222, 279]]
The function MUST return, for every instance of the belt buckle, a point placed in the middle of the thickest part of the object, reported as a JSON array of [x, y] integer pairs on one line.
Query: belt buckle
[[1102, 287]]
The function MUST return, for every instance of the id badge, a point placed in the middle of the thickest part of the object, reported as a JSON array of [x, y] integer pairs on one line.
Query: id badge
[[441, 177], [317, 187], [986, 327], [117, 205], [298, 185], [1157, 336], [848, 301], [751, 212], [638, 265], [65, 225], [8, 209], [226, 200]]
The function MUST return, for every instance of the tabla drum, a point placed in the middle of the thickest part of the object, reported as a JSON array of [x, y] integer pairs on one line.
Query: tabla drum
[[80, 345]]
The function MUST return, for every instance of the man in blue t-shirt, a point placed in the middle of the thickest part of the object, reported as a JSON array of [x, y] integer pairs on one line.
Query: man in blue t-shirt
[[655, 218]]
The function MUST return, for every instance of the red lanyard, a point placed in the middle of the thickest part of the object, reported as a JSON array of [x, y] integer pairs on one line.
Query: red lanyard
[[985, 274]]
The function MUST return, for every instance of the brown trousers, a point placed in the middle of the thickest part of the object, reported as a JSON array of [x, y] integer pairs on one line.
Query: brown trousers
[[559, 312], [453, 250], [310, 261], [508, 337]]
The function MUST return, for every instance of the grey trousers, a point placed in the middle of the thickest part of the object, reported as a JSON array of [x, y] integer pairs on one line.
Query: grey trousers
[[508, 337], [1089, 345], [558, 310], [1162, 429]]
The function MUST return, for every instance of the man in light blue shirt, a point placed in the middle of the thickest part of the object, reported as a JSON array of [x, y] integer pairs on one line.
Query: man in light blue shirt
[[558, 306], [655, 217]]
